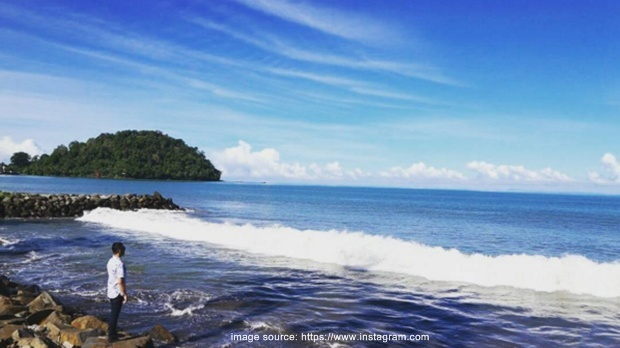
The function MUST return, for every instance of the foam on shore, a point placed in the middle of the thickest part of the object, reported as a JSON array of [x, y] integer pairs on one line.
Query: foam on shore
[[573, 273]]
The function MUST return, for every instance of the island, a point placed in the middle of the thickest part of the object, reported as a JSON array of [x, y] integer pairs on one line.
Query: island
[[130, 154]]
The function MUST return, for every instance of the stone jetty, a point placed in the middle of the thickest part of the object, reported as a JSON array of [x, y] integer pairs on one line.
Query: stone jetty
[[31, 205], [33, 318]]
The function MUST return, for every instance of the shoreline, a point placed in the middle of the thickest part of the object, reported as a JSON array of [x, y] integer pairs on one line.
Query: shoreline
[[32, 317]]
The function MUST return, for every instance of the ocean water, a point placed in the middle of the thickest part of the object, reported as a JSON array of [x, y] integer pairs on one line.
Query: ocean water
[[457, 267]]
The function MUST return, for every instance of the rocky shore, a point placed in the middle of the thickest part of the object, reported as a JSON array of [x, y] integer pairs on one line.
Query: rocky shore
[[29, 205], [32, 318]]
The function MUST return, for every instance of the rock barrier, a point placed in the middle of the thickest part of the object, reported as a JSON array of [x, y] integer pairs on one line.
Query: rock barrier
[[30, 205]]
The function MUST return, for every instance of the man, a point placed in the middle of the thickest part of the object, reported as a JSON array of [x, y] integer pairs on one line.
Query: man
[[117, 292]]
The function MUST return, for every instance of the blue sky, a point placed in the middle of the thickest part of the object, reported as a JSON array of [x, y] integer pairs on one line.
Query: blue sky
[[506, 95]]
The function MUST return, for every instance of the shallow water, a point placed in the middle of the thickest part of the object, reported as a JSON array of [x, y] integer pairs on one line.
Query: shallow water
[[526, 269]]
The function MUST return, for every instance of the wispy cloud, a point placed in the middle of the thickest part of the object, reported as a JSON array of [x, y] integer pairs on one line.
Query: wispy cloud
[[274, 45], [331, 21], [351, 85]]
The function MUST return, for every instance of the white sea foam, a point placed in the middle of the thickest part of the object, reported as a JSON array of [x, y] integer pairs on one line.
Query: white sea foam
[[572, 273], [185, 311], [7, 242]]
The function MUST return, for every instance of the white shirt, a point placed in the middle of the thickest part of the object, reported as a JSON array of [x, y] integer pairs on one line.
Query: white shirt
[[116, 270]]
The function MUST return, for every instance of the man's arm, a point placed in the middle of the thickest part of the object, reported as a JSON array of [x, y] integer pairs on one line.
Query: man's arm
[[121, 281], [122, 288]]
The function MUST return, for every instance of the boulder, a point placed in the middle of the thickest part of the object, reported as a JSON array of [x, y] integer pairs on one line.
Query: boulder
[[77, 337], [160, 333], [23, 299], [57, 318], [12, 320], [39, 342], [53, 330], [134, 342], [7, 331], [20, 333], [11, 309], [37, 317], [43, 301], [5, 301], [96, 342], [89, 322]]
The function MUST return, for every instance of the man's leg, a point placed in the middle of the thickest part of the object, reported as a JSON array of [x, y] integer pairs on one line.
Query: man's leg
[[115, 306]]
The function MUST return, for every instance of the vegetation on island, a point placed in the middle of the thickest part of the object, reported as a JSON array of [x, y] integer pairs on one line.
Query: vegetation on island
[[125, 154]]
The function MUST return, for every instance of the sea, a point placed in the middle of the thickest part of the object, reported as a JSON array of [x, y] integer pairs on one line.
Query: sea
[[262, 265]]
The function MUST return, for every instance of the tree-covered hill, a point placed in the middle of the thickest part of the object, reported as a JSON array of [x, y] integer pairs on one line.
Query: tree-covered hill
[[125, 154]]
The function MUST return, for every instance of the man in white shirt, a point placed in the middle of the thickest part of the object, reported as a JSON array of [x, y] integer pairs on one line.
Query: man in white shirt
[[117, 292]]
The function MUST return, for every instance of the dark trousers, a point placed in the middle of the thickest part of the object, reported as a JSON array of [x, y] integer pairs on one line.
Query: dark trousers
[[115, 306]]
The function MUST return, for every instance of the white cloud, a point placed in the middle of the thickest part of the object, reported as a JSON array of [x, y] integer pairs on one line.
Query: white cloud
[[8, 147], [611, 171], [327, 20], [421, 170], [516, 173], [241, 162]]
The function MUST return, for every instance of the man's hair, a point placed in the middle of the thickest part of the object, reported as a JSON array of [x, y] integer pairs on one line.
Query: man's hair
[[118, 248]]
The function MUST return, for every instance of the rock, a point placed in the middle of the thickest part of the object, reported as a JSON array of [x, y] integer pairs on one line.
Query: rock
[[43, 301], [134, 342], [23, 299], [7, 331], [53, 330], [20, 333], [67, 345], [57, 318], [89, 322], [96, 342], [77, 337], [32, 290], [40, 342], [24, 342], [11, 309], [160, 333], [38, 317], [63, 205], [5, 301], [13, 320]]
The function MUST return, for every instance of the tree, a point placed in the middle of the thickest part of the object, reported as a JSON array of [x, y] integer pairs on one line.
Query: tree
[[126, 154], [20, 160]]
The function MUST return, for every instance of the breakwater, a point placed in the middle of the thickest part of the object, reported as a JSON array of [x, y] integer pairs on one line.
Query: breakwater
[[30, 205]]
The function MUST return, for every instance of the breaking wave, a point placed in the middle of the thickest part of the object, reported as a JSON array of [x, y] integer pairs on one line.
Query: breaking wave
[[572, 273]]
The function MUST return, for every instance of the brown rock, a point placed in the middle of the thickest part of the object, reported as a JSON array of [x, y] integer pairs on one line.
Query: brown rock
[[53, 330], [23, 299], [16, 321], [7, 331], [134, 342], [5, 301], [96, 342], [77, 337], [57, 318], [40, 342], [11, 309], [38, 317], [160, 333], [43, 301], [20, 333], [89, 322]]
